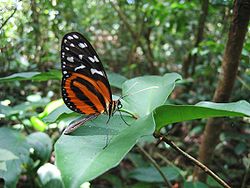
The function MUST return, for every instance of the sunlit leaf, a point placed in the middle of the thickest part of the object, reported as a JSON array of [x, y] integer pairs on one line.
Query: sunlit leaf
[[168, 114], [50, 176]]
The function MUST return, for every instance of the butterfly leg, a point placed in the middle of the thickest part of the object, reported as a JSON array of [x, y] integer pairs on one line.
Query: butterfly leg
[[107, 135], [123, 118], [75, 124]]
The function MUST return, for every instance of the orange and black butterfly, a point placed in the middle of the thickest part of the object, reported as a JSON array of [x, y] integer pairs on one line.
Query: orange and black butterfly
[[85, 86]]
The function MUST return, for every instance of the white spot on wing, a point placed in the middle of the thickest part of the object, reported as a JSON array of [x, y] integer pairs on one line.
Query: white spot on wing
[[70, 38], [80, 56], [93, 71], [72, 45], [70, 59], [91, 59], [64, 72], [66, 48], [80, 67], [65, 40], [75, 36], [81, 45], [96, 59]]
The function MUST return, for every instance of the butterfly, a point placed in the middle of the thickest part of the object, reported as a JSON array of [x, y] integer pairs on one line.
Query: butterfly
[[85, 86]]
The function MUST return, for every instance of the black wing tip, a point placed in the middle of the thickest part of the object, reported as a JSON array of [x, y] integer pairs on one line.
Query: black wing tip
[[73, 33]]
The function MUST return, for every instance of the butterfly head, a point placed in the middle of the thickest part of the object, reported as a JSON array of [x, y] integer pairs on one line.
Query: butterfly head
[[114, 106]]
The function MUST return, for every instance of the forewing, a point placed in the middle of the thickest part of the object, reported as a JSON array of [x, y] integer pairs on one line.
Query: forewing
[[85, 87]]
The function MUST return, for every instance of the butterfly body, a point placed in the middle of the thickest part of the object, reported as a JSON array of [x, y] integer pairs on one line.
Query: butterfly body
[[85, 85]]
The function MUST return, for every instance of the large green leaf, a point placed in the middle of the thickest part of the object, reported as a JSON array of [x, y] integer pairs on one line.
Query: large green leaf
[[81, 157], [144, 94], [14, 142], [167, 114]]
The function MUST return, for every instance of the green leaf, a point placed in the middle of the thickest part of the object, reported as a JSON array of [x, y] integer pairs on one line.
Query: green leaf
[[168, 114], [246, 162], [81, 157], [50, 176], [19, 76], [144, 94], [38, 124], [211, 182], [59, 113], [23, 108], [194, 185], [15, 143], [150, 174], [116, 80], [35, 76], [6, 155], [3, 166], [50, 107], [42, 145]]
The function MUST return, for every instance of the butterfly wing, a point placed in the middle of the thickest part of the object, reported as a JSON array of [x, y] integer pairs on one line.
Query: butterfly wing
[[85, 86]]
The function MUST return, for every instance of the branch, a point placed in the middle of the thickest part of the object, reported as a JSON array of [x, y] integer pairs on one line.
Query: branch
[[157, 167], [135, 36], [189, 157], [6, 21], [124, 19]]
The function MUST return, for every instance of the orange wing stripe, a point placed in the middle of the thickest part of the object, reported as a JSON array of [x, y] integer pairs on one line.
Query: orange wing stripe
[[105, 90], [83, 107], [99, 86], [93, 98]]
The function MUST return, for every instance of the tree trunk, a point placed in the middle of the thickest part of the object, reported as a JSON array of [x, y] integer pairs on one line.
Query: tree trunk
[[36, 33], [192, 58], [230, 63]]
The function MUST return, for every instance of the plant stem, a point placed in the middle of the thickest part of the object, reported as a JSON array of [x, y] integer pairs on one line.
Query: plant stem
[[192, 159], [243, 185], [6, 21], [157, 167]]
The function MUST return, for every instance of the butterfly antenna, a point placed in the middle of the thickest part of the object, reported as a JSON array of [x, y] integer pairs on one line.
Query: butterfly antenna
[[128, 91], [153, 87]]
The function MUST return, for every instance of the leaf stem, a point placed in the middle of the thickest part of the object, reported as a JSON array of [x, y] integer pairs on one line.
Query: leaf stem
[[157, 167], [163, 138], [6, 21]]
